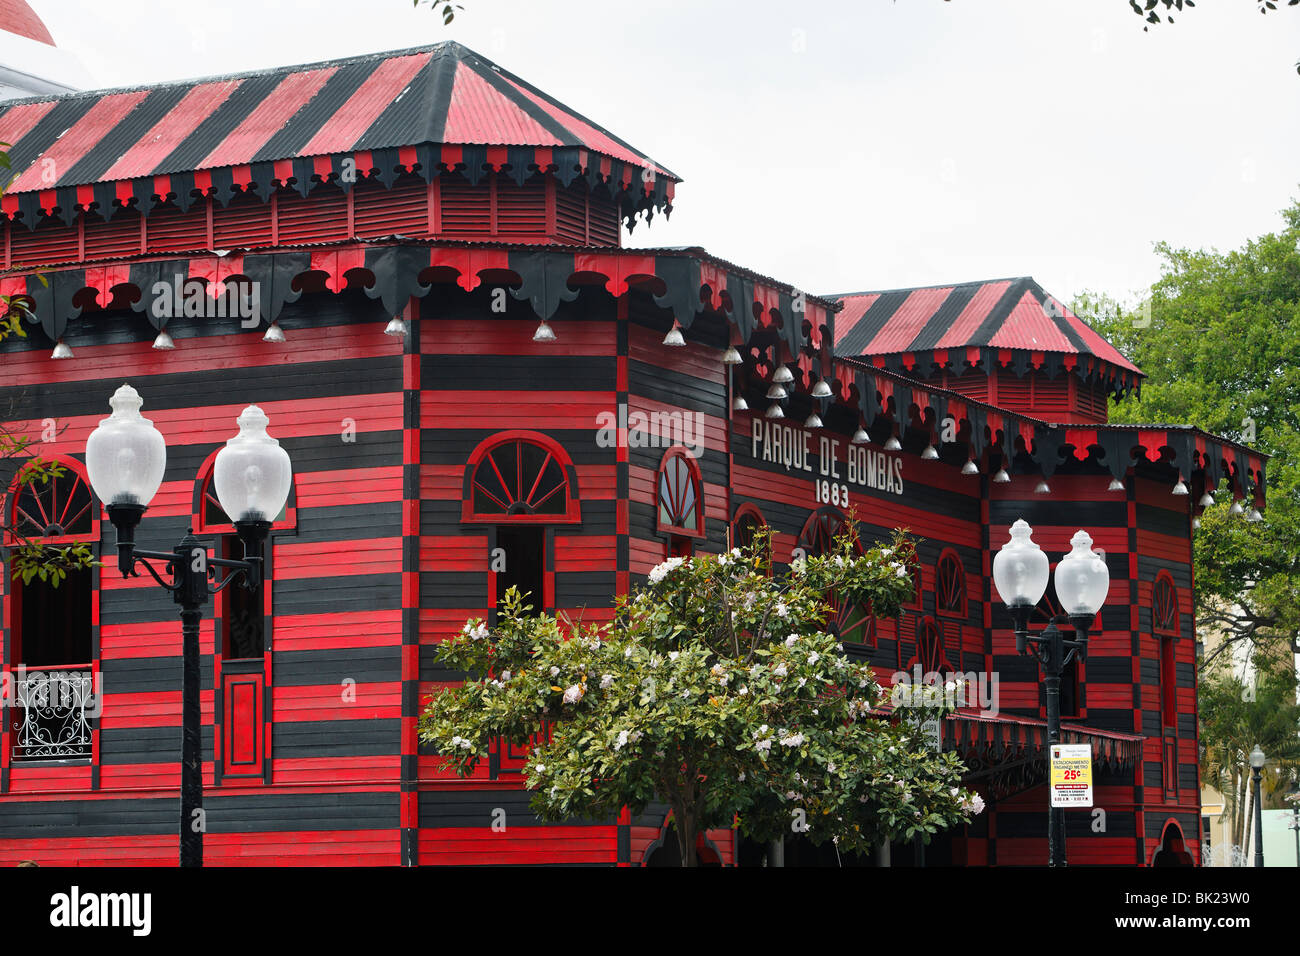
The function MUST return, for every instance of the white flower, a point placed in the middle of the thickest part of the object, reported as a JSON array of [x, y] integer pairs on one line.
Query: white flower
[[839, 560], [790, 641], [792, 740], [554, 671], [724, 559], [744, 691], [798, 566], [741, 778], [475, 633], [782, 610], [886, 552], [814, 657], [574, 693], [673, 655], [764, 744], [540, 769], [627, 652], [606, 681], [622, 740], [661, 571], [779, 670], [830, 767], [505, 675], [462, 743], [977, 804]]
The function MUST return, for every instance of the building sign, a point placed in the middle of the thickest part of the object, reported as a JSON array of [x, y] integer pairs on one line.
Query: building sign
[[835, 462], [1071, 778]]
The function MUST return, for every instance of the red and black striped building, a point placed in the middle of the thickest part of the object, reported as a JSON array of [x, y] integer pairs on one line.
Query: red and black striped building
[[434, 187]]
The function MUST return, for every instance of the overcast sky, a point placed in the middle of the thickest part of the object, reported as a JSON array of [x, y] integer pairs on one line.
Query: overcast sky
[[853, 145]]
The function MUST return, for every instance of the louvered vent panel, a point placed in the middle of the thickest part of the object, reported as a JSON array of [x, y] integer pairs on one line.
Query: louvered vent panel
[[466, 209], [119, 236], [169, 230], [244, 222], [972, 385], [571, 213], [1093, 401], [49, 242], [521, 210], [1014, 392], [1051, 397], [604, 222], [321, 216], [402, 210]]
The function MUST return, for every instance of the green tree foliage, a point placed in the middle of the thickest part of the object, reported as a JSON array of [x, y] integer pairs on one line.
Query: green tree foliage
[[1219, 340], [1238, 714], [717, 691], [447, 10]]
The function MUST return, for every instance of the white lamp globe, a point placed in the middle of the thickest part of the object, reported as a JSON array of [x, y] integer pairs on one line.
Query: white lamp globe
[[1020, 568], [1082, 578], [252, 473], [125, 455]]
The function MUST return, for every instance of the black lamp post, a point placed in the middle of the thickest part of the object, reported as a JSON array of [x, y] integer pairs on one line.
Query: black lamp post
[[1256, 767], [126, 457], [1020, 572]]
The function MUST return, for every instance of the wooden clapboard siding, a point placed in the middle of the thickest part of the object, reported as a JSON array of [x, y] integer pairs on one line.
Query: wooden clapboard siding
[[333, 395], [380, 566]]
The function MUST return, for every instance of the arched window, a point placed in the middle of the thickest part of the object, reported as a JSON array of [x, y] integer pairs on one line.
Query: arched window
[[680, 495], [931, 654], [1165, 628], [58, 511], [1164, 606], [523, 476], [746, 525], [52, 627], [820, 530], [853, 622], [950, 585], [519, 482]]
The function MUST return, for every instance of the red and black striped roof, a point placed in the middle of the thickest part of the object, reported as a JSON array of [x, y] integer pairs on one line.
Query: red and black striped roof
[[445, 95], [1003, 321]]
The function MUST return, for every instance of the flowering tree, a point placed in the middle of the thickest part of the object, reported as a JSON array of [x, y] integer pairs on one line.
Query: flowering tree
[[716, 690]]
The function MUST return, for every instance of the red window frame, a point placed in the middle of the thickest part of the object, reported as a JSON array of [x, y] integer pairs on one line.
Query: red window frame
[[931, 643], [482, 455], [11, 591], [679, 485], [1165, 615], [242, 753], [74, 470], [950, 598], [748, 512], [852, 622]]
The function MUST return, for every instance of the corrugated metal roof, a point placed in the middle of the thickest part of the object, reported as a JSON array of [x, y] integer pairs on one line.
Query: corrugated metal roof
[[1012, 314], [441, 95]]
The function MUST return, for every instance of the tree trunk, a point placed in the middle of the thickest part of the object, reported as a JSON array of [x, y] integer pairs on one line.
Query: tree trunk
[[685, 826]]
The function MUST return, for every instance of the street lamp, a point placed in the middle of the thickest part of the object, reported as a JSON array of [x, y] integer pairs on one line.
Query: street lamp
[[1257, 759], [125, 458], [1020, 572]]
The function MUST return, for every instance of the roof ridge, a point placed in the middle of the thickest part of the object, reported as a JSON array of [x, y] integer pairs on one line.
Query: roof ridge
[[937, 285], [436, 49]]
